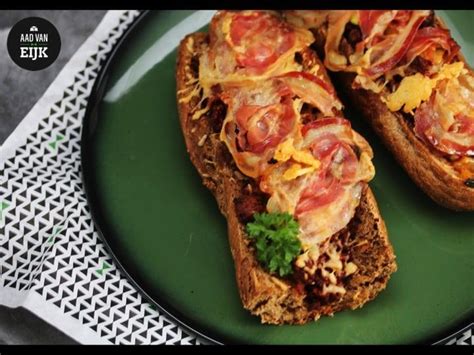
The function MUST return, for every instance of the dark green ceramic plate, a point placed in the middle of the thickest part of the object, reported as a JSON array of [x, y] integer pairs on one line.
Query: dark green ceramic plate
[[165, 230]]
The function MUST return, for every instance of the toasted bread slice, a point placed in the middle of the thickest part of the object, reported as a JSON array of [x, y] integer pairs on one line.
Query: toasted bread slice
[[275, 300], [432, 172]]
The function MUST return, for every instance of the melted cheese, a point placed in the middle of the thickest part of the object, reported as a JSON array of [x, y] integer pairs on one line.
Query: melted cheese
[[296, 170], [285, 150], [415, 89], [350, 268], [199, 113], [285, 194], [192, 88], [336, 265], [188, 92], [366, 168], [355, 19], [334, 261], [210, 75], [316, 71], [333, 289], [332, 269], [305, 163]]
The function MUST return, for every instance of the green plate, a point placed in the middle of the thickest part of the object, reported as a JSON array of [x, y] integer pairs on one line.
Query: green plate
[[166, 232]]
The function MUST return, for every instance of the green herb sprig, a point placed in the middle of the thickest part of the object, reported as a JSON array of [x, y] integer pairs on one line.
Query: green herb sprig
[[276, 241]]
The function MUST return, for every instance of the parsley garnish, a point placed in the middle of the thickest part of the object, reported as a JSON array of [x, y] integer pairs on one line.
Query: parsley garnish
[[276, 240]]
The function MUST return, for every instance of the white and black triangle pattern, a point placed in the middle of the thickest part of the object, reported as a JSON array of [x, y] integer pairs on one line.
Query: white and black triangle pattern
[[48, 242], [464, 337]]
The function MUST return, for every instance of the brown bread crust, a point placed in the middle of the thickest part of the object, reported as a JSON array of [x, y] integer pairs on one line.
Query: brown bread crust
[[275, 300]]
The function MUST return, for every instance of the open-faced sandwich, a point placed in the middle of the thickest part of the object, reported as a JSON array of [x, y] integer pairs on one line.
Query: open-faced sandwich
[[264, 128], [405, 73]]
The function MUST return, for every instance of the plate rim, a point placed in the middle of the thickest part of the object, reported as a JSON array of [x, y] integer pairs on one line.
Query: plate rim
[[93, 102], [89, 118]]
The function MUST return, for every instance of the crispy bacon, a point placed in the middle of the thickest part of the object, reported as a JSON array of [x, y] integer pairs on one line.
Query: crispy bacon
[[310, 77], [248, 43], [432, 37], [259, 39], [339, 167], [331, 143], [312, 90], [397, 43], [325, 199], [386, 37], [326, 121], [322, 191], [394, 46], [337, 21], [263, 127], [368, 19], [446, 121], [331, 191], [429, 129], [464, 125], [258, 118]]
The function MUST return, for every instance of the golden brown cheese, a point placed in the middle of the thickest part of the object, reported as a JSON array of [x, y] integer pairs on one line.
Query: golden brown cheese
[[304, 162], [415, 89]]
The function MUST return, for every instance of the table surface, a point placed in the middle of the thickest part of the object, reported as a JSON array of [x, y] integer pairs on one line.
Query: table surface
[[19, 91]]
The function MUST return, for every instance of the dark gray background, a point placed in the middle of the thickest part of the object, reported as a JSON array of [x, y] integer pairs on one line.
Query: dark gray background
[[19, 91]]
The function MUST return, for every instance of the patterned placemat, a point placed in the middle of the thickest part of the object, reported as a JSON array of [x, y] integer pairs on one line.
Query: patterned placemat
[[52, 261], [463, 337]]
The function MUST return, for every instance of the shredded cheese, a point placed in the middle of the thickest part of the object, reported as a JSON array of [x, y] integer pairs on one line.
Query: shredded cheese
[[355, 19], [333, 289], [199, 113], [350, 268], [202, 140], [415, 89], [296, 170], [190, 44], [192, 91], [286, 151]]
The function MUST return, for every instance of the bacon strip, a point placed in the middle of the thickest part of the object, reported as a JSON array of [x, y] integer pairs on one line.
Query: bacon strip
[[446, 121], [312, 90], [258, 119], [387, 36], [395, 46], [368, 19], [431, 36], [429, 129], [259, 39]]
